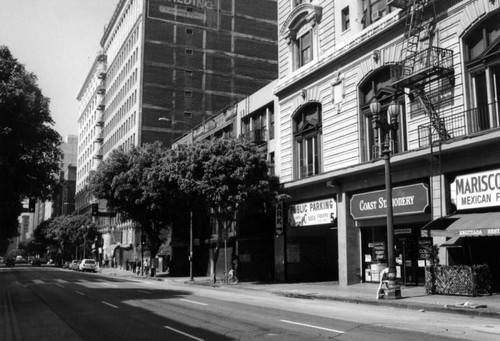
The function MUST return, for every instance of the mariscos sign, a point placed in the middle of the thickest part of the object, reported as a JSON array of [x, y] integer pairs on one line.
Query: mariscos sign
[[405, 200], [477, 190]]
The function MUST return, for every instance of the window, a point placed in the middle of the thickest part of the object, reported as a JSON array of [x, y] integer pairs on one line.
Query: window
[[374, 10], [379, 87], [345, 19], [305, 49], [188, 93], [189, 31], [307, 137], [189, 51], [483, 66]]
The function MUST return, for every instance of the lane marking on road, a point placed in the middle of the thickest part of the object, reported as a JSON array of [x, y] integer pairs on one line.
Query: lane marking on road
[[38, 281], [185, 334], [312, 326], [62, 281], [194, 302], [111, 305], [146, 292], [60, 285], [108, 284], [79, 293]]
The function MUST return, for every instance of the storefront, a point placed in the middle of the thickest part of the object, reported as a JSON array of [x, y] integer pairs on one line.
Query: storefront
[[411, 212], [473, 231], [311, 241]]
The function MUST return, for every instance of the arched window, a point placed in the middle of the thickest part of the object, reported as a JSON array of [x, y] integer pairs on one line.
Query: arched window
[[378, 87], [307, 139], [482, 58]]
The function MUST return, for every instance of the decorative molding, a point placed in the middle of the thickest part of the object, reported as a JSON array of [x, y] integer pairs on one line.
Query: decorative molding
[[308, 13]]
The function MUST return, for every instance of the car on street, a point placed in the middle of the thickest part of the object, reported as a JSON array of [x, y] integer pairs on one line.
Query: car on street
[[87, 265], [74, 264], [20, 260], [10, 262]]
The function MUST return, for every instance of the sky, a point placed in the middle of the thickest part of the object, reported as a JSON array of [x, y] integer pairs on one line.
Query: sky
[[57, 40]]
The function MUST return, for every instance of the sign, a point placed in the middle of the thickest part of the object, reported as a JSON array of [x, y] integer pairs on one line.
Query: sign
[[412, 199], [319, 212], [477, 190], [379, 251], [279, 218], [479, 232]]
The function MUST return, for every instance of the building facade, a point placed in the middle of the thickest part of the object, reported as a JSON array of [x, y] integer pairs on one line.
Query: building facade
[[175, 60], [346, 69]]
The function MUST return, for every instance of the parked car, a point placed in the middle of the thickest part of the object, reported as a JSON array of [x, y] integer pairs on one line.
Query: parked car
[[10, 262], [1, 260], [87, 265], [74, 264], [20, 260], [36, 262], [66, 264]]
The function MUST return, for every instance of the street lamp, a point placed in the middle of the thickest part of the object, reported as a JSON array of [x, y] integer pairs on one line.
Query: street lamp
[[387, 131], [190, 257]]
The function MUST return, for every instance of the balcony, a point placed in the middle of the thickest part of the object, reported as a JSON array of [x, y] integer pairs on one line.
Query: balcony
[[462, 124], [100, 107], [423, 67], [257, 136]]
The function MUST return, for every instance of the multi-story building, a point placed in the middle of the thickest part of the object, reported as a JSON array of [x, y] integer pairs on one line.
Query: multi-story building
[[251, 239], [177, 60], [358, 80]]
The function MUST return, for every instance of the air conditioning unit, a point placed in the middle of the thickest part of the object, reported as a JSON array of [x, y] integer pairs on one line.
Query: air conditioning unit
[[376, 15]]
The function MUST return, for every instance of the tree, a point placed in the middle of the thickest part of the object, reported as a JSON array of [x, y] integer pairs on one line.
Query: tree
[[29, 146], [138, 186], [226, 175]]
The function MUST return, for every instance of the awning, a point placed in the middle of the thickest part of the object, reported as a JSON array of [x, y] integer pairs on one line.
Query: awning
[[453, 242], [466, 225]]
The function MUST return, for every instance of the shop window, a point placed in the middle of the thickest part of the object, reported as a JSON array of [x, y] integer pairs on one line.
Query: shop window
[[378, 87], [483, 67], [308, 140]]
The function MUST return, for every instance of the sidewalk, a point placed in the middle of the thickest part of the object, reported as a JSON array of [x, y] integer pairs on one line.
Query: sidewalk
[[413, 298]]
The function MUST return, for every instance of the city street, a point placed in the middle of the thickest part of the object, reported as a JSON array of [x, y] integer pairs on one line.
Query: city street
[[56, 304]]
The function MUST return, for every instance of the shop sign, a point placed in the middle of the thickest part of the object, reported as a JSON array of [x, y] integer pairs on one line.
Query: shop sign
[[412, 199], [318, 212], [477, 190], [479, 232]]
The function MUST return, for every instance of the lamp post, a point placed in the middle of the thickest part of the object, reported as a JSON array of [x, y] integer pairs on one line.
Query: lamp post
[[190, 257], [386, 132]]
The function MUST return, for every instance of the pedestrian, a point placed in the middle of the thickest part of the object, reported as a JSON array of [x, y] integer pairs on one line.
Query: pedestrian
[[138, 266], [146, 267], [127, 263], [132, 263]]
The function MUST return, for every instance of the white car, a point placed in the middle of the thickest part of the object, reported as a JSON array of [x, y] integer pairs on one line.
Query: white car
[[87, 265]]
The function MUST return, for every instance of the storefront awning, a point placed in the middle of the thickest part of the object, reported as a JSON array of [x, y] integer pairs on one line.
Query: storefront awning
[[466, 225]]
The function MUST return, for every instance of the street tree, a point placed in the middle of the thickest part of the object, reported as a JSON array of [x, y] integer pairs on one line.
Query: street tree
[[135, 185], [226, 175], [29, 146]]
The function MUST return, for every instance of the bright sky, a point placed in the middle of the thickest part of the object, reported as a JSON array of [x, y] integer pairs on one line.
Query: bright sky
[[57, 40]]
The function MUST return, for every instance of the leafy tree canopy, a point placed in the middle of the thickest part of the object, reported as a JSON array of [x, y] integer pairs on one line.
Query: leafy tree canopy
[[29, 146]]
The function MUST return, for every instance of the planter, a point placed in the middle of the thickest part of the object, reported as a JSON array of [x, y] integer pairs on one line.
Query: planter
[[458, 280]]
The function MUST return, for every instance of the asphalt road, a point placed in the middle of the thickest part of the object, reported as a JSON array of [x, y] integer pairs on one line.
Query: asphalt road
[[55, 304]]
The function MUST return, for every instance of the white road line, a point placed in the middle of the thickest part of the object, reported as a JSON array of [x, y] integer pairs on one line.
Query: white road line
[[108, 284], [62, 281], [38, 281], [194, 302], [316, 327], [79, 293], [146, 292], [60, 285], [111, 305], [185, 334]]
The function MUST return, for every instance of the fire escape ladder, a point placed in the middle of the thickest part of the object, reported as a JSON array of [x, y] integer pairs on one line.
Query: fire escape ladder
[[435, 121], [413, 28]]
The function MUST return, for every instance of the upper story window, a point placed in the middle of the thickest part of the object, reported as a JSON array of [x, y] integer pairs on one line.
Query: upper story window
[[483, 68], [307, 132], [300, 29], [378, 87], [254, 126], [346, 23], [374, 10]]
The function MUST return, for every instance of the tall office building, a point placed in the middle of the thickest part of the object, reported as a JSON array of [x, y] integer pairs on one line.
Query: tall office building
[[182, 60]]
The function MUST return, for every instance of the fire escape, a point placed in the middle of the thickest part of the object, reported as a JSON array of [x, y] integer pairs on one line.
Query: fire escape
[[424, 70]]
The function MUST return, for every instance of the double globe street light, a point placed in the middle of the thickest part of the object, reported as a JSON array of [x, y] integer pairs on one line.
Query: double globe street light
[[387, 132]]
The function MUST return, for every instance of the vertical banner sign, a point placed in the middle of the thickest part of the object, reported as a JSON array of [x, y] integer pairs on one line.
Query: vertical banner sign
[[279, 218]]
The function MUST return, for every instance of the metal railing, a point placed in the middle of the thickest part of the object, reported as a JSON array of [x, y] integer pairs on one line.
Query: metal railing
[[257, 135], [463, 123]]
